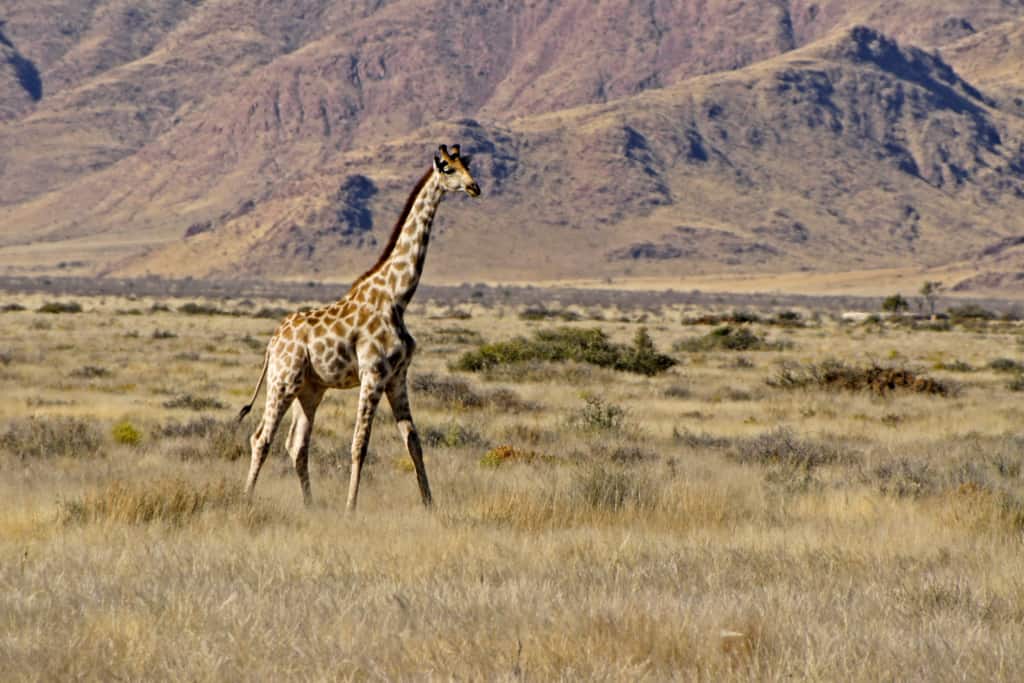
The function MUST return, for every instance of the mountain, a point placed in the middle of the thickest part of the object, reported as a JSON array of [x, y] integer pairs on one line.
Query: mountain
[[612, 138]]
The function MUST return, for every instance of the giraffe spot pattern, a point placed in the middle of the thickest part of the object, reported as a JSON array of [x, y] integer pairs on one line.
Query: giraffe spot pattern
[[362, 336]]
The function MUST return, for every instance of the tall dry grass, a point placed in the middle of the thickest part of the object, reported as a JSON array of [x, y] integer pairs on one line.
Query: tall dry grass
[[696, 525]]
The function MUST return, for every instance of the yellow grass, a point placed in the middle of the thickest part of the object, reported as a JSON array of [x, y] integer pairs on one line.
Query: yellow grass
[[650, 553]]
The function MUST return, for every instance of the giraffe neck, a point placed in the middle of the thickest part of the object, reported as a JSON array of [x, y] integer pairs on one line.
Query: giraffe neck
[[404, 265]]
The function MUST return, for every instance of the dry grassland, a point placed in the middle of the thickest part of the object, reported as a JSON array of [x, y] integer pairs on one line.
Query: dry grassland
[[703, 524]]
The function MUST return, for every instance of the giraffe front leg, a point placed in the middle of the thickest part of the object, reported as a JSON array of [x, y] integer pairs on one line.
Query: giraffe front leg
[[370, 391], [299, 438], [398, 397]]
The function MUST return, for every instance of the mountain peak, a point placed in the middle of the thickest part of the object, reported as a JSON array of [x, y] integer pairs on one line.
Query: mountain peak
[[865, 45]]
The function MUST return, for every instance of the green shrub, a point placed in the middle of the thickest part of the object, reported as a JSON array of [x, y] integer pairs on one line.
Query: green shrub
[[1005, 365], [274, 313], [60, 307], [789, 319], [456, 335], [729, 338], [970, 312], [590, 346], [546, 314], [955, 366], [193, 308], [643, 358], [124, 432], [895, 303]]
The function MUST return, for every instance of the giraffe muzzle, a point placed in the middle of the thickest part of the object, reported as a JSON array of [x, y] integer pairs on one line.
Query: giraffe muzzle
[[473, 190]]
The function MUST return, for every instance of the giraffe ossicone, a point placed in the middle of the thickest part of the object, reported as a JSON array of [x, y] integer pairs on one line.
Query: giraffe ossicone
[[359, 341]]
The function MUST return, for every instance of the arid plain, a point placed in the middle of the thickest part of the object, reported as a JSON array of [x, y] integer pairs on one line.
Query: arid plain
[[754, 512]]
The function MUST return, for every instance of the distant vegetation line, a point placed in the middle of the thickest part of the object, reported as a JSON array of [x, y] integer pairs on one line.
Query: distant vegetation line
[[483, 294]]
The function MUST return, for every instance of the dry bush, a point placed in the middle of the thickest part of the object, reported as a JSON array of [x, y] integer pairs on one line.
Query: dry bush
[[455, 335], [836, 375], [699, 440], [207, 438], [173, 502], [540, 313], [447, 390], [194, 402], [677, 390], [504, 455], [611, 488], [598, 415], [452, 435], [90, 372], [195, 308], [43, 437], [455, 392], [905, 478], [781, 446]]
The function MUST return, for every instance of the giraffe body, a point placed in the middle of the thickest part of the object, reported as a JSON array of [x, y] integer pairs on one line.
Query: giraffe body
[[359, 341]]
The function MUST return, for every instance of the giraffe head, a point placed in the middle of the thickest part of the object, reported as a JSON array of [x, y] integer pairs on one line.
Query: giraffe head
[[454, 171]]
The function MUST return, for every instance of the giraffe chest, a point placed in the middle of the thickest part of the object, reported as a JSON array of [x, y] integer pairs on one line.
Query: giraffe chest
[[334, 362]]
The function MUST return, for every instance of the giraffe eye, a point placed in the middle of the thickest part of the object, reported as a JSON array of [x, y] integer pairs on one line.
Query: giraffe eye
[[447, 170]]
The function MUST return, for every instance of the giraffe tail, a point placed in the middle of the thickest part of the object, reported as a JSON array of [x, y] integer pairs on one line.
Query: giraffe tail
[[248, 406]]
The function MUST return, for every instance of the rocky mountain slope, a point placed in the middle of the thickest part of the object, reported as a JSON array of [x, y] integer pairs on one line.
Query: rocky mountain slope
[[612, 138]]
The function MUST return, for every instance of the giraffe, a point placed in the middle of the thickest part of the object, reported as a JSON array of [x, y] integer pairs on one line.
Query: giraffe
[[358, 341]]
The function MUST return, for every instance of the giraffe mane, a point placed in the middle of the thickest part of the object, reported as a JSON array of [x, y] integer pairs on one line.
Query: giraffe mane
[[397, 230]]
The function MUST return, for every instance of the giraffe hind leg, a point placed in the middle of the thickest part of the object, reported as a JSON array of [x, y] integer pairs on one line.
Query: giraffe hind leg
[[261, 439]]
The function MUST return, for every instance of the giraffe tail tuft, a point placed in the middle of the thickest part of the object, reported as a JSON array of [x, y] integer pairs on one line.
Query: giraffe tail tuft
[[248, 406]]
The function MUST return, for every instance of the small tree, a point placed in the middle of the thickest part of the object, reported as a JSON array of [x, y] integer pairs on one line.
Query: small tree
[[930, 291], [895, 303]]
